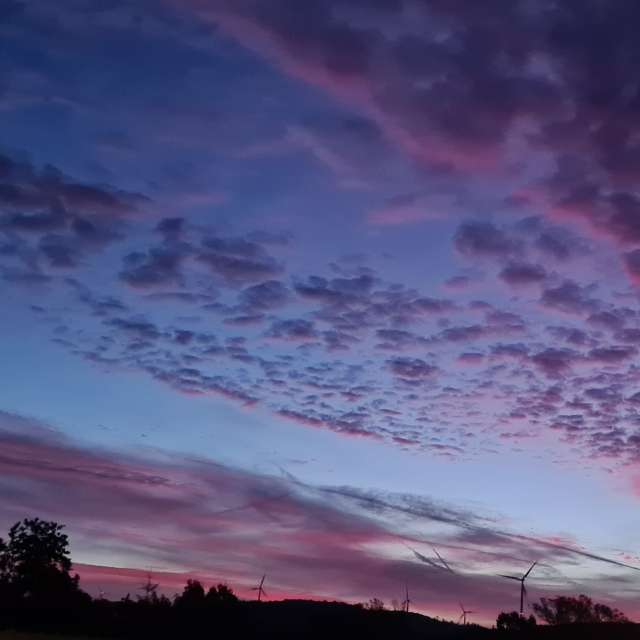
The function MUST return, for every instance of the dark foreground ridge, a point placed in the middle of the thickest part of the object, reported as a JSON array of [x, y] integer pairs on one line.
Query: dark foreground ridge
[[282, 619]]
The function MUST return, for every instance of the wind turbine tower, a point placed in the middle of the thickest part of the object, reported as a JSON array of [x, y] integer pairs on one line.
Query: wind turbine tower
[[464, 614], [259, 588], [406, 602], [523, 589]]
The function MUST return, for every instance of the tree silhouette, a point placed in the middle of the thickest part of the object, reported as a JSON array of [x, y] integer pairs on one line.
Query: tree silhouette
[[192, 596], [35, 564], [569, 610], [222, 595]]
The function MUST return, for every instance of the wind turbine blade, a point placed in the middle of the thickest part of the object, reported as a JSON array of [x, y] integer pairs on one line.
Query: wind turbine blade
[[264, 593], [461, 606], [460, 618], [510, 577], [426, 560], [530, 569], [444, 562]]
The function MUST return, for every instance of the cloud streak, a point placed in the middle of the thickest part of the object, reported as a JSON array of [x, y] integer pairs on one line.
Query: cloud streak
[[170, 513]]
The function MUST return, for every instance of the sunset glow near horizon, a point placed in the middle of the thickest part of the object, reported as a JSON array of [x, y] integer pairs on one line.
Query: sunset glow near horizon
[[320, 290]]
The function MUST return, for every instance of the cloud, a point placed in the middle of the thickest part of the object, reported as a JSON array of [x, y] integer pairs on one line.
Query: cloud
[[238, 260], [295, 330], [554, 362], [398, 339], [611, 355], [632, 264], [156, 267], [519, 273], [405, 209], [411, 368], [50, 220], [483, 239], [555, 245], [338, 292], [469, 115], [48, 192], [460, 105], [570, 297], [271, 294]]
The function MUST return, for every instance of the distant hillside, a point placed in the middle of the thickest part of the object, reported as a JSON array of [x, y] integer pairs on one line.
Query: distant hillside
[[334, 620]]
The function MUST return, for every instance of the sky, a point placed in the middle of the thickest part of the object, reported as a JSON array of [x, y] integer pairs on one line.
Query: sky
[[322, 290]]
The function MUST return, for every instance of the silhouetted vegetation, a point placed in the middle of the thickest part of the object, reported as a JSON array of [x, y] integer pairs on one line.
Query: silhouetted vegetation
[[35, 568], [580, 610], [514, 621], [39, 593]]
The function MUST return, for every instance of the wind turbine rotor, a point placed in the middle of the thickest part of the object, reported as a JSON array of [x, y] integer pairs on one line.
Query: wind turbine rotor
[[530, 569]]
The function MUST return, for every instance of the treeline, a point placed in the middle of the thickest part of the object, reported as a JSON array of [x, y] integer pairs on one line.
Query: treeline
[[39, 593]]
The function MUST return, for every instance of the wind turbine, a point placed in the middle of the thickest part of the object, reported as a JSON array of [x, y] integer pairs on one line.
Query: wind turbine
[[406, 602], [149, 588], [463, 615], [259, 589], [523, 589]]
